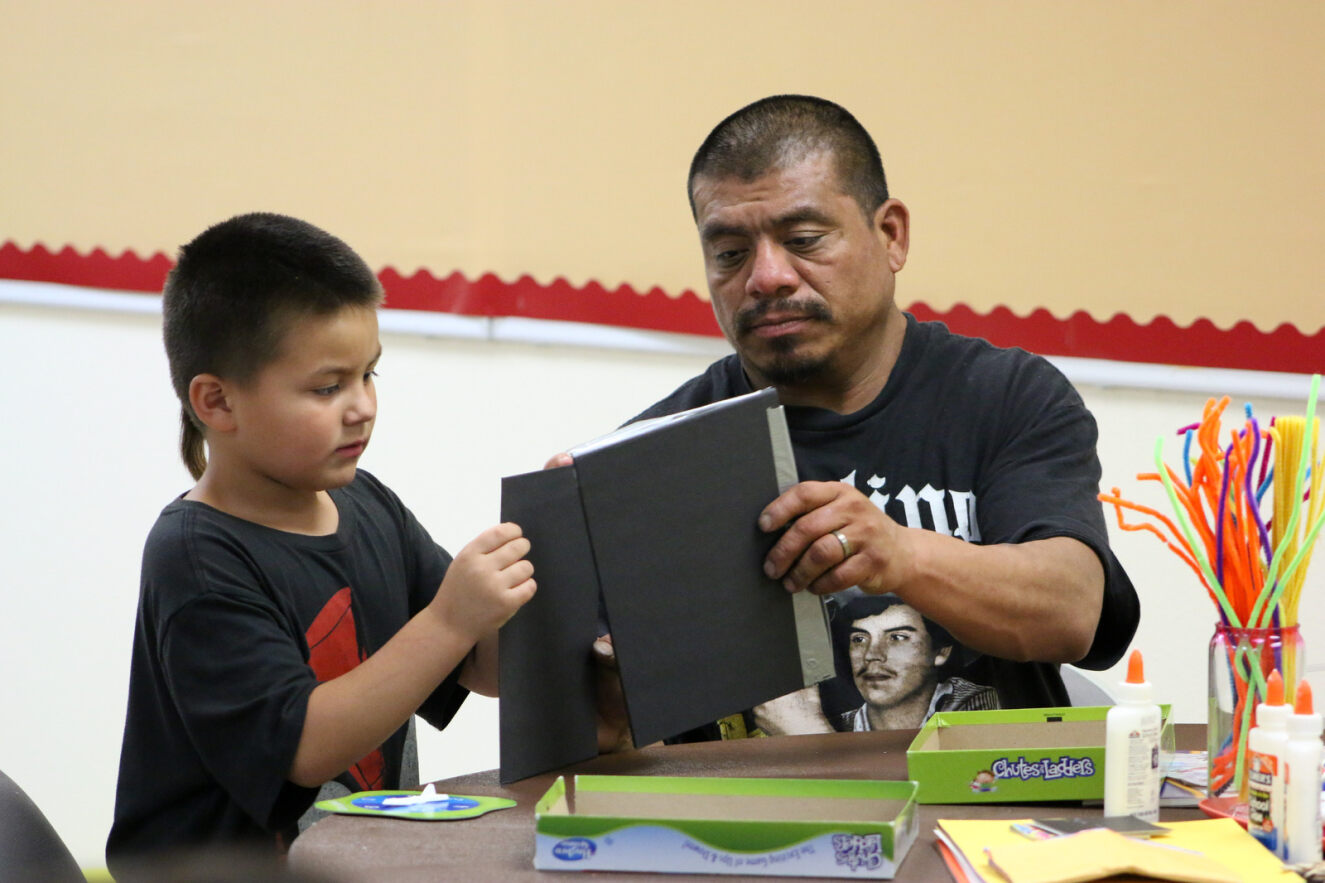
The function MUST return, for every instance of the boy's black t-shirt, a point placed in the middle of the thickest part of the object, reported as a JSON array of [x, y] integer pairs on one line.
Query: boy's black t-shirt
[[987, 444], [237, 623]]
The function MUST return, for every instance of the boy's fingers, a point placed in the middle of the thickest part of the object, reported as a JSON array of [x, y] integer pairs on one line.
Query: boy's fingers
[[494, 537], [516, 598], [522, 593], [509, 552], [518, 573]]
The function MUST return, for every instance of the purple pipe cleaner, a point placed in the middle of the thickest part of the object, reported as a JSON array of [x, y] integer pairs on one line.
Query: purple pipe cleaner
[[1219, 522]]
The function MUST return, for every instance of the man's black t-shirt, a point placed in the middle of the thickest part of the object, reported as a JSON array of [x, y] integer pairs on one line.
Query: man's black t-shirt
[[237, 623], [986, 444]]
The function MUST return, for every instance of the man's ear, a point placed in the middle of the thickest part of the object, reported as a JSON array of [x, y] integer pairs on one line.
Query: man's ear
[[209, 397], [892, 222], [941, 658]]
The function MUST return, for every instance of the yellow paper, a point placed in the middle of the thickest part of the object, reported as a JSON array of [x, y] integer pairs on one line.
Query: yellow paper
[[1237, 854], [1092, 855]]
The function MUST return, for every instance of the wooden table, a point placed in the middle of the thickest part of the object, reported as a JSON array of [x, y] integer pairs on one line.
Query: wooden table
[[500, 845]]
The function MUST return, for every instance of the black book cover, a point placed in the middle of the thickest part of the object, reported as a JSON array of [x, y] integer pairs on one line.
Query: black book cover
[[545, 671], [660, 518]]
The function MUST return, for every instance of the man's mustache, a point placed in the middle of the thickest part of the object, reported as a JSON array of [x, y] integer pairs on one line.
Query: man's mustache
[[752, 315]]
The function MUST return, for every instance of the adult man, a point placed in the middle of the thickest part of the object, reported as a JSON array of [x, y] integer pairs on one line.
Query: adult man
[[898, 661], [898, 425]]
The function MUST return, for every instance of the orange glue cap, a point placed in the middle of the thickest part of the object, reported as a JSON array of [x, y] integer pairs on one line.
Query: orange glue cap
[[1274, 689], [1303, 704], [1136, 669]]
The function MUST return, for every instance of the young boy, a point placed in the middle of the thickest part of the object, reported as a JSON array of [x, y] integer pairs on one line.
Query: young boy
[[293, 614]]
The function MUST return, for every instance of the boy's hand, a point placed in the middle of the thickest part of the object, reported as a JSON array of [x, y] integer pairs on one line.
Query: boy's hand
[[486, 583]]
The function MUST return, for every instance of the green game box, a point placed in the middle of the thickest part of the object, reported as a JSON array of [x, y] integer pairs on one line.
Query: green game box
[[1014, 755], [776, 827]]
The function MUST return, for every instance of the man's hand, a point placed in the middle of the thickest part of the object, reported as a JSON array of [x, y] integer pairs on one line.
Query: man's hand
[[1038, 600], [819, 516], [613, 724]]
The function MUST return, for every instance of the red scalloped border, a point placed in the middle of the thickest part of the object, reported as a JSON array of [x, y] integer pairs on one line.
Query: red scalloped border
[[527, 298], [128, 272], [1161, 341]]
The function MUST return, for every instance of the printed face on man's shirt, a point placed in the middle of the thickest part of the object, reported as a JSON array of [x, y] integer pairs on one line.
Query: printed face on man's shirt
[[892, 656]]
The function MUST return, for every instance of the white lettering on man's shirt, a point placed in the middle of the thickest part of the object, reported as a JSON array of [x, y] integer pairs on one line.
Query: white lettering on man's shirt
[[935, 502]]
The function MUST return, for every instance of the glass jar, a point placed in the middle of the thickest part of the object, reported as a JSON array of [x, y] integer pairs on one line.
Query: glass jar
[[1240, 662]]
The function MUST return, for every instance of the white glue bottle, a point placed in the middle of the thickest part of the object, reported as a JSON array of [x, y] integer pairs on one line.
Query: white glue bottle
[[1302, 793], [1265, 767], [1131, 748]]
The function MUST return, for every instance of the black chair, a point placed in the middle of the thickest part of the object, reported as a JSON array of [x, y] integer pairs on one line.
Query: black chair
[[29, 847]]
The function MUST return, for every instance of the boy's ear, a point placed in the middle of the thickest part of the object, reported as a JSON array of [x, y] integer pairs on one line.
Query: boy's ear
[[208, 395]]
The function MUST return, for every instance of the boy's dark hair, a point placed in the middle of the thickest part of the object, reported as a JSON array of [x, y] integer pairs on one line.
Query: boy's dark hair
[[775, 132], [235, 290]]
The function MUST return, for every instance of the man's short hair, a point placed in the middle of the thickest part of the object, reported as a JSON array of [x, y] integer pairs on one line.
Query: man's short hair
[[235, 290], [776, 132]]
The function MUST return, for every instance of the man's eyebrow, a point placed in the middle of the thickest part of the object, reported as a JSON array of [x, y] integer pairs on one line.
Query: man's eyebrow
[[799, 215], [902, 628], [714, 230]]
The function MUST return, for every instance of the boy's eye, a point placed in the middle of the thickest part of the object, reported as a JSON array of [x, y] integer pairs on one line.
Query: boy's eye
[[332, 389]]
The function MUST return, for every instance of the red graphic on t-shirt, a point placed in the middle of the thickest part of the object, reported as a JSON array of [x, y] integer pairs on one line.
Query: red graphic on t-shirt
[[333, 649]]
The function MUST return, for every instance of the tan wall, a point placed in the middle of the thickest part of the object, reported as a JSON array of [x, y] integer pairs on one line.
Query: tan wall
[[1127, 156]]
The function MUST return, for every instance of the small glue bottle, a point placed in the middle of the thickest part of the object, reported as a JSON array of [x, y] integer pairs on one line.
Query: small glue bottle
[[1302, 792], [1131, 748], [1265, 767]]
